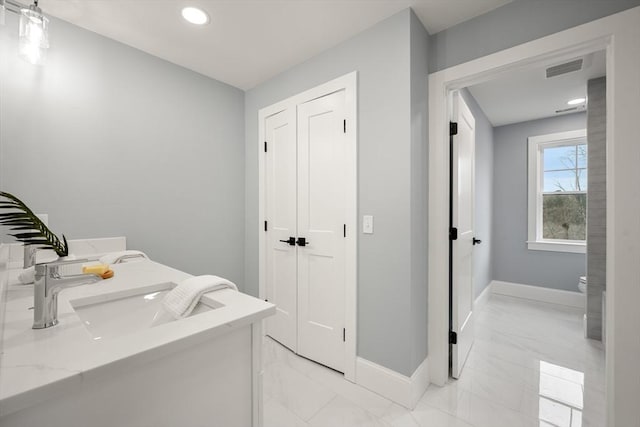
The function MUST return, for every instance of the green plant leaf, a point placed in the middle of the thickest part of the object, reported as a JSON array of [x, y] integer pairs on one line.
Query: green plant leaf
[[10, 215], [24, 236], [23, 219], [21, 228], [16, 222]]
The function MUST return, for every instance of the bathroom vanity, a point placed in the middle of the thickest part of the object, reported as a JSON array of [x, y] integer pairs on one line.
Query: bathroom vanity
[[104, 365]]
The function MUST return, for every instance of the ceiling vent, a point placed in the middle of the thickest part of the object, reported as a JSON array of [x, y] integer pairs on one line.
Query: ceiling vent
[[567, 67]]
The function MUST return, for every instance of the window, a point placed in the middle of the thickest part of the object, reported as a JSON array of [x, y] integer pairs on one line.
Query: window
[[558, 192]]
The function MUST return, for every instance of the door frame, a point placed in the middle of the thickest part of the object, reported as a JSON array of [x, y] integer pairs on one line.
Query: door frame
[[348, 83], [618, 34]]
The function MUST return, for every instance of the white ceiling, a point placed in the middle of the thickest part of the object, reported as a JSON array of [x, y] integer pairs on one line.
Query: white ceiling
[[528, 95], [250, 41]]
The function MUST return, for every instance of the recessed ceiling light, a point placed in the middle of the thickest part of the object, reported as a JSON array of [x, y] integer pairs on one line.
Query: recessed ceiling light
[[576, 101], [195, 15]]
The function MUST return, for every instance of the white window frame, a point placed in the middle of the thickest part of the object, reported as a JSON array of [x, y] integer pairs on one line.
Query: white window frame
[[535, 240]]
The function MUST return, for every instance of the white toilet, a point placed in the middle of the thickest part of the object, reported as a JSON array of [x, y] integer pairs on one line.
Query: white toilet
[[582, 285]]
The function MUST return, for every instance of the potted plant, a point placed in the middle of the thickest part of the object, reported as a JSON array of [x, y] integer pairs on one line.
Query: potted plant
[[30, 230]]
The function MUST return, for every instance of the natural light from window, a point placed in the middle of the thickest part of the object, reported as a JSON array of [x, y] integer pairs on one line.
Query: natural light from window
[[558, 192], [561, 393], [564, 192]]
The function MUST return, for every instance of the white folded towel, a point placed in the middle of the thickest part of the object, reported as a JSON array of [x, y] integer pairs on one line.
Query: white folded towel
[[182, 299], [123, 256], [27, 276]]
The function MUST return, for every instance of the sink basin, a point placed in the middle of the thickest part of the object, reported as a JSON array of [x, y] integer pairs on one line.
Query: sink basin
[[120, 313]]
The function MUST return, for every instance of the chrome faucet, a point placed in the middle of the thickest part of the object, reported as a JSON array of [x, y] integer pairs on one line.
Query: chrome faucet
[[29, 256], [49, 281]]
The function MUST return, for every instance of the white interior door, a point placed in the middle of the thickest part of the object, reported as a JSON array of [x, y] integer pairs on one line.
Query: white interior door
[[321, 218], [463, 164], [280, 208]]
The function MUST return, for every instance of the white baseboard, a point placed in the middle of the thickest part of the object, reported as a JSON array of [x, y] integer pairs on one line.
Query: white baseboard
[[419, 382], [483, 298], [403, 390], [537, 293]]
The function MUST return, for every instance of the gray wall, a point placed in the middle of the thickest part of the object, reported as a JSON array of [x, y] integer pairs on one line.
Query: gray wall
[[419, 187], [513, 24], [483, 217], [596, 204], [513, 262], [386, 278], [111, 141]]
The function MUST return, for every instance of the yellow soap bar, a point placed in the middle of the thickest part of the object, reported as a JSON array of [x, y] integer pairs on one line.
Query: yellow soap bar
[[98, 269]]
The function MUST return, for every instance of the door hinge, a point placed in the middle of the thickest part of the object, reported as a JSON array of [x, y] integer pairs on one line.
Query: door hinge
[[344, 230], [265, 226], [344, 335], [453, 337], [453, 234], [453, 128], [265, 146], [345, 125]]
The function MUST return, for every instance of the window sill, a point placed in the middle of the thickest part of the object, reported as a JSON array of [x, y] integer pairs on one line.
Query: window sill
[[576, 248]]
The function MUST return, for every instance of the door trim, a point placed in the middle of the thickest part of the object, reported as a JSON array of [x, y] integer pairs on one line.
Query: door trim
[[442, 85], [349, 84], [618, 35]]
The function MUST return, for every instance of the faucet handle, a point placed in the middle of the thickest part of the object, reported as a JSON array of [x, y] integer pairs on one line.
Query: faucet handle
[[29, 256]]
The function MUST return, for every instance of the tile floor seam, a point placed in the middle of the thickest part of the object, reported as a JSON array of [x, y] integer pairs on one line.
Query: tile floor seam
[[523, 414], [412, 416], [372, 415], [388, 406], [321, 408]]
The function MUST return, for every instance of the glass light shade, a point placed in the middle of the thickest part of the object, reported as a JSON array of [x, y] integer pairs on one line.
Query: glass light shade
[[34, 35]]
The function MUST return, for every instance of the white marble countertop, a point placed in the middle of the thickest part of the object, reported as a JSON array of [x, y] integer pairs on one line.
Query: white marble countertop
[[38, 364]]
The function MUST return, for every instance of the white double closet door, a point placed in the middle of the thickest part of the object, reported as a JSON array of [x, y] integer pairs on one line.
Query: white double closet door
[[305, 210]]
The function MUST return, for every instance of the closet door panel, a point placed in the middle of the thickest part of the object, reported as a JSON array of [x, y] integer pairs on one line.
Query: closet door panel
[[280, 200], [321, 217]]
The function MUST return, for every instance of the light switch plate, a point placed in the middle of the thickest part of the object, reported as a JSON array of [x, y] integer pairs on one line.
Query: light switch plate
[[367, 224]]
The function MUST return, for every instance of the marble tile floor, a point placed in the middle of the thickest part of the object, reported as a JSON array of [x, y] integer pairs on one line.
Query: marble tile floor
[[529, 366]]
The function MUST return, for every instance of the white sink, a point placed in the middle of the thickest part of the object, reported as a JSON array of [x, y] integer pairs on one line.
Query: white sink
[[120, 313]]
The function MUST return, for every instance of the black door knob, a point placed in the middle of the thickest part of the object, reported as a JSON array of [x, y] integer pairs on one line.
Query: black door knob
[[476, 241], [290, 240], [302, 241]]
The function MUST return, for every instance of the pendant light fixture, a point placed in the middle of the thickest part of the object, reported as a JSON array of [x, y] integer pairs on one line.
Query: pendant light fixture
[[34, 30], [34, 34]]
